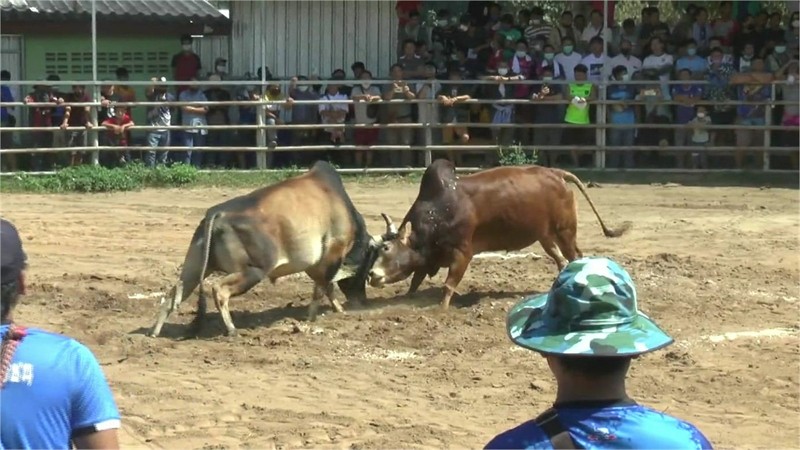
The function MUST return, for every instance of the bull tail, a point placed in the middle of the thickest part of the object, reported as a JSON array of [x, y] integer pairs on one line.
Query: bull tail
[[201, 297], [608, 232]]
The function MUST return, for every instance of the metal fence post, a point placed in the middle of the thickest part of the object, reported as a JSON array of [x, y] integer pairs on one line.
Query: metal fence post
[[261, 137], [95, 133], [428, 141], [768, 132], [600, 133]]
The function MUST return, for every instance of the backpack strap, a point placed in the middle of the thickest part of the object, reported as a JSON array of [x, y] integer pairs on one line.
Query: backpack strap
[[559, 436]]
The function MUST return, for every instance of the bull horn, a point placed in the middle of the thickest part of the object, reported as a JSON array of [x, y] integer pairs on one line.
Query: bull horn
[[390, 226], [375, 241]]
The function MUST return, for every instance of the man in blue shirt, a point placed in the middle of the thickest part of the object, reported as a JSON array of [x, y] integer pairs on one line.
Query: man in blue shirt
[[588, 328], [53, 392], [621, 112]]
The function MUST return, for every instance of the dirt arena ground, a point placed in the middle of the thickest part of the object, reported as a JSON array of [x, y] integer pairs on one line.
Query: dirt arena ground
[[401, 374]]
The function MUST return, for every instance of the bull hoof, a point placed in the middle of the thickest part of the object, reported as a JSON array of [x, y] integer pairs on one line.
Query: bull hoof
[[232, 333], [151, 334]]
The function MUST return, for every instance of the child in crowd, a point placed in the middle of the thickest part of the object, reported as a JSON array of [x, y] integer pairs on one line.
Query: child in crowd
[[700, 137], [118, 127]]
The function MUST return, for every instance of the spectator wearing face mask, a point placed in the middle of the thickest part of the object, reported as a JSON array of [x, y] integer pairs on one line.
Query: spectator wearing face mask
[[334, 113], [193, 116], [684, 27], [185, 64], [412, 30], [621, 112], [546, 98], [538, 28], [569, 58], [549, 60], [473, 42], [502, 113], [580, 94], [398, 110], [563, 31], [686, 95], [744, 61], [303, 114], [696, 65], [701, 31], [779, 56], [626, 59], [218, 115], [719, 91], [221, 68], [700, 137], [366, 97]]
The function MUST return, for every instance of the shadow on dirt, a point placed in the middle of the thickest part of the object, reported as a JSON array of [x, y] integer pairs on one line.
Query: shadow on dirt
[[428, 298]]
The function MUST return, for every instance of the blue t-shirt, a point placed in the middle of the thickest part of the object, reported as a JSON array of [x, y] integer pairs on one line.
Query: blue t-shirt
[[53, 388], [695, 64], [5, 96], [608, 427], [621, 93]]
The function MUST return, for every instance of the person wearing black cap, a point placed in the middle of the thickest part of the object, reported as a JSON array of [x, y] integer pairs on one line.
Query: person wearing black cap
[[54, 393]]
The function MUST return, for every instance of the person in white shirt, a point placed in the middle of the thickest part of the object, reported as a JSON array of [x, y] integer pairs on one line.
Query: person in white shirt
[[626, 58], [334, 113], [596, 28], [365, 96], [660, 62], [569, 58], [595, 61]]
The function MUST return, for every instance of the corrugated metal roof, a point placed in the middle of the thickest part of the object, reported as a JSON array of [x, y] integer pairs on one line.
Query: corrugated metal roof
[[157, 8]]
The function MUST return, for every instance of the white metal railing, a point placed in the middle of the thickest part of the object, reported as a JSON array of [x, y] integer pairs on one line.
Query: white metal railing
[[261, 127]]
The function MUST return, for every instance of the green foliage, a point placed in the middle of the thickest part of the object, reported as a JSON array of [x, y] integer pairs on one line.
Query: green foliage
[[90, 178], [516, 156]]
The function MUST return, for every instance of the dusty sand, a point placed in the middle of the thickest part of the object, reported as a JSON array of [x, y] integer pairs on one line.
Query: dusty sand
[[401, 374]]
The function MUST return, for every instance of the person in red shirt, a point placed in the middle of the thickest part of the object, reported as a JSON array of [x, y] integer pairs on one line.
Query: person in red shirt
[[42, 117], [404, 8], [185, 64], [76, 116], [118, 127]]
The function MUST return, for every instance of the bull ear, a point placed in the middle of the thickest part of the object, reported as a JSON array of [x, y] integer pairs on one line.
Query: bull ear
[[405, 232], [390, 226]]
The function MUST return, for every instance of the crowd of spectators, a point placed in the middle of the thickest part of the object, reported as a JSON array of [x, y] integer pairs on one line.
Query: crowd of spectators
[[574, 59]]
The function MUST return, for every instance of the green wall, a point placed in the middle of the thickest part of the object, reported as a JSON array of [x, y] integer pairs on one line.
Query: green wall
[[70, 57]]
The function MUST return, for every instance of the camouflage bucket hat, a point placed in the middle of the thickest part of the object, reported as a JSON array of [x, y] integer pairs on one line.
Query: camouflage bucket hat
[[591, 310]]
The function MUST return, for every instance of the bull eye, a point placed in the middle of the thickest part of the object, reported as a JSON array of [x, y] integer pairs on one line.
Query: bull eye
[[385, 247]]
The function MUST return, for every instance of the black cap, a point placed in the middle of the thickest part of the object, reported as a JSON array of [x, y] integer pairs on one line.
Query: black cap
[[12, 257]]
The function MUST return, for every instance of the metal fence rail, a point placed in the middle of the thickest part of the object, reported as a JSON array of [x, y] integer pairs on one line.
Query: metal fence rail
[[262, 127]]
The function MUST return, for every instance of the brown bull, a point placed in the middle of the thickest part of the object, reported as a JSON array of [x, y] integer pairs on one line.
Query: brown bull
[[304, 224], [500, 209]]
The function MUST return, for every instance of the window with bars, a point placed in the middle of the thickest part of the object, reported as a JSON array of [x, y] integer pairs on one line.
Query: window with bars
[[80, 63]]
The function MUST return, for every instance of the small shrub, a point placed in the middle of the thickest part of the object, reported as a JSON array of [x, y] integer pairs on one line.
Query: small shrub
[[516, 156], [89, 178]]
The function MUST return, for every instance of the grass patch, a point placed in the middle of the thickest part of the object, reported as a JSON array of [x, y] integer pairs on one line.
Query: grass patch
[[93, 179]]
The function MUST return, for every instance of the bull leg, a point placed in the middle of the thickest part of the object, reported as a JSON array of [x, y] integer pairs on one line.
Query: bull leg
[[168, 306], [313, 307], [455, 273], [567, 244], [330, 292], [553, 251], [416, 281], [231, 286]]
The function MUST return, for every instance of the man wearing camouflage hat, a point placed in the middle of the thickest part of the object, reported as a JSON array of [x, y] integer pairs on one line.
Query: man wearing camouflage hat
[[588, 328]]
